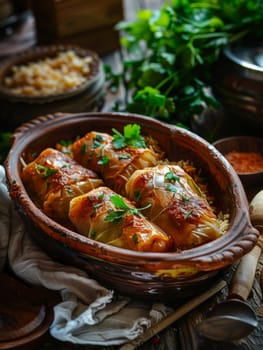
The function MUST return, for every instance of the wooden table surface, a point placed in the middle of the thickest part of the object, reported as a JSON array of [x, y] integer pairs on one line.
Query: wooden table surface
[[182, 335]]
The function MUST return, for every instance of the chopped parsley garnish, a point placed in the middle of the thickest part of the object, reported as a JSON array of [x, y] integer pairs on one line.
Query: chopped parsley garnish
[[131, 137], [188, 214], [98, 205], [93, 234], [95, 206], [103, 160], [69, 190], [65, 143], [115, 215], [171, 188], [128, 156], [34, 155], [123, 209], [97, 142], [83, 148], [170, 176], [44, 171], [135, 238], [99, 138], [137, 195]]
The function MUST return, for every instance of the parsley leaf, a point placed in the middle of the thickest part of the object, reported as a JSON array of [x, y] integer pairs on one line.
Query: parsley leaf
[[119, 202], [122, 209], [65, 143], [131, 137], [103, 161], [44, 171], [170, 176]]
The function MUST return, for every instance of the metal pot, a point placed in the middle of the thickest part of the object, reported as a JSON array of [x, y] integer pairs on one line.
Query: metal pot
[[238, 83]]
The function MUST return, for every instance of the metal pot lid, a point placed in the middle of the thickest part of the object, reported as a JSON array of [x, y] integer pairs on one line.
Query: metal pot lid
[[250, 58]]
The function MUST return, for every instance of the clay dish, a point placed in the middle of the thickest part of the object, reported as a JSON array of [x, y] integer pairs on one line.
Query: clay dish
[[161, 276]]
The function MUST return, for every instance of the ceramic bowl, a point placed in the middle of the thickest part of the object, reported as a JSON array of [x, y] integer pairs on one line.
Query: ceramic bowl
[[246, 145], [161, 276], [87, 96]]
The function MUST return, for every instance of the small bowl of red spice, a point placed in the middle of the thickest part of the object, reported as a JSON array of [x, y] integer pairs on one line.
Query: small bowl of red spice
[[245, 154]]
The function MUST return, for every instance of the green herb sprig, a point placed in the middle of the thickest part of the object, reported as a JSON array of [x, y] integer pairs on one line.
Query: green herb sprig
[[131, 137], [122, 210], [45, 171]]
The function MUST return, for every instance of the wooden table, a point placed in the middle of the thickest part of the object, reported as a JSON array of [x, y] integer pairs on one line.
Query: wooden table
[[181, 335]]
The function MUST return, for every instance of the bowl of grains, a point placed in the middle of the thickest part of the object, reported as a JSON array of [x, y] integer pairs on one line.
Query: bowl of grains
[[49, 79], [245, 154]]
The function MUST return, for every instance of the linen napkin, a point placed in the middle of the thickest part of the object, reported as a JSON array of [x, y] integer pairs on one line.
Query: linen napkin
[[88, 313]]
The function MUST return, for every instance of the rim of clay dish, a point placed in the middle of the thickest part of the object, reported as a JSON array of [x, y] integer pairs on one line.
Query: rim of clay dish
[[239, 239]]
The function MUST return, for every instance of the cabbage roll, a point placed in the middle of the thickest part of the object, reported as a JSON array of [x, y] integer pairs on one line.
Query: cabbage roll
[[176, 203], [114, 162], [53, 179], [105, 216]]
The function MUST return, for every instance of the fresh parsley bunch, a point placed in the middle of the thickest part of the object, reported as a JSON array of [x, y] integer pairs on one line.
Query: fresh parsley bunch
[[168, 54]]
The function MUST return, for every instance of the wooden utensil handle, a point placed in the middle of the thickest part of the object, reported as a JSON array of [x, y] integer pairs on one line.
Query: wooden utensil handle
[[256, 211], [174, 316], [243, 278]]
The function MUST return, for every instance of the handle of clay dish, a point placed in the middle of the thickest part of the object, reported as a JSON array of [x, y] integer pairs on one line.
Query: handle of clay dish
[[243, 278], [35, 123]]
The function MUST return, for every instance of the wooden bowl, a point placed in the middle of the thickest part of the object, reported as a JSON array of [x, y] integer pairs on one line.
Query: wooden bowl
[[142, 274], [87, 96], [246, 145], [25, 314]]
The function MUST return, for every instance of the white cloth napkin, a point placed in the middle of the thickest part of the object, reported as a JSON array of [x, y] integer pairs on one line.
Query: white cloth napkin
[[88, 313]]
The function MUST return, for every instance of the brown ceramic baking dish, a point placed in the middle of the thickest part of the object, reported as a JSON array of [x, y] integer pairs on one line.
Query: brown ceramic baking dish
[[141, 274]]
